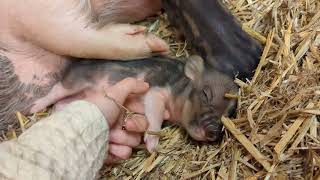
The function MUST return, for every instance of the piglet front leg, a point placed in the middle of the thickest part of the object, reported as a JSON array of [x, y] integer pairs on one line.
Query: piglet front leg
[[155, 101]]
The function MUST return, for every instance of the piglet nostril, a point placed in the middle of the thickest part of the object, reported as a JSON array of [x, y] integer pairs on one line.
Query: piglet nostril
[[212, 131]]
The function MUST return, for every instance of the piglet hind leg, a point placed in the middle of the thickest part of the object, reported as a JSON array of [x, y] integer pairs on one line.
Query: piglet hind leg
[[57, 93], [155, 102]]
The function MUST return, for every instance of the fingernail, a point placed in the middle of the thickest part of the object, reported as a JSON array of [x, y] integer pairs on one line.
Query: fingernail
[[156, 44]]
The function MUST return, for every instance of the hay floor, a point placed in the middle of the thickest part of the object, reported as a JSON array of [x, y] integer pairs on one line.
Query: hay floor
[[275, 134]]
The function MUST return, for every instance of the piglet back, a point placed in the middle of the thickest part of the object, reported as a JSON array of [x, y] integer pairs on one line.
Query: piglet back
[[157, 71]]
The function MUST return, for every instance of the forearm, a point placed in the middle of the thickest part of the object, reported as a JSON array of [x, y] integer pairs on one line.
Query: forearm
[[70, 144], [59, 27], [62, 28]]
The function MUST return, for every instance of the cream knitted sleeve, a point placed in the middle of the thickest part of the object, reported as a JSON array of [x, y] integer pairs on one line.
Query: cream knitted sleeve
[[70, 145]]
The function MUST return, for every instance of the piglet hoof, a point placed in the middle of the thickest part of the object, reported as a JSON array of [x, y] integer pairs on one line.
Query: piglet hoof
[[151, 142]]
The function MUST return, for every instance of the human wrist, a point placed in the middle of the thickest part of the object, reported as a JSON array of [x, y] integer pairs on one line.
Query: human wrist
[[94, 108], [107, 108]]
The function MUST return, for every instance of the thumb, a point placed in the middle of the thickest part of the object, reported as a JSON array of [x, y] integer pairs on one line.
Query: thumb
[[120, 91], [144, 45], [156, 44]]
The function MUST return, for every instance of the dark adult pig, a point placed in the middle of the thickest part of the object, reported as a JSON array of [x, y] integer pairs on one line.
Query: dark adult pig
[[37, 38], [215, 34], [175, 86]]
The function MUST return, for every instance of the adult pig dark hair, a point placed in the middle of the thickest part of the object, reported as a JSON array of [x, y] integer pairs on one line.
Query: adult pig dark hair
[[227, 51], [216, 35]]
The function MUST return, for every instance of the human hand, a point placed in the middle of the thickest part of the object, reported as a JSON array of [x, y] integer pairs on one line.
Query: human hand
[[121, 142], [110, 104], [126, 41]]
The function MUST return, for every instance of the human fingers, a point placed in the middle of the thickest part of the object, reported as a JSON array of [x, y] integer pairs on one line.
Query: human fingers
[[120, 151], [136, 104], [122, 89], [132, 42], [137, 123], [120, 137]]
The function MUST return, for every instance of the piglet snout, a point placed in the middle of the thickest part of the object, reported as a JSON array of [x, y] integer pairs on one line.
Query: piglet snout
[[212, 130]]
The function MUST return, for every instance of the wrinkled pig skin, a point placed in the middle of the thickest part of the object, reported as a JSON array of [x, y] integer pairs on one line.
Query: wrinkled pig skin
[[215, 34], [34, 32], [193, 96]]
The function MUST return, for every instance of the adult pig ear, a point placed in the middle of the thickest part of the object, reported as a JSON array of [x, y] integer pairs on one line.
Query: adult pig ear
[[194, 68]]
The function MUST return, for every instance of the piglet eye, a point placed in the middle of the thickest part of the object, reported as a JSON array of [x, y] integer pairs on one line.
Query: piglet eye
[[203, 96], [207, 94]]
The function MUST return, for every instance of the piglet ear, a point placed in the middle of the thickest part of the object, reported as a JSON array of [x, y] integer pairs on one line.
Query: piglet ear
[[194, 68]]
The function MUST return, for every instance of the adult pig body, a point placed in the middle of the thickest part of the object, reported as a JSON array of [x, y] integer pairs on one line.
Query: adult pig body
[[176, 86], [215, 35]]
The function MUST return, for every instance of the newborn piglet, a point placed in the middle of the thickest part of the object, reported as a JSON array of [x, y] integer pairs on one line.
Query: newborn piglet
[[214, 34], [191, 94]]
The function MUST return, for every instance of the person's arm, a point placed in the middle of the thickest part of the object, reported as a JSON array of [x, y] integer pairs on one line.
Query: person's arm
[[70, 144], [60, 27]]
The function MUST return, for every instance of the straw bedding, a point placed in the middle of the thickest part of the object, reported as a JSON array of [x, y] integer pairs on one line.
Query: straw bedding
[[275, 132]]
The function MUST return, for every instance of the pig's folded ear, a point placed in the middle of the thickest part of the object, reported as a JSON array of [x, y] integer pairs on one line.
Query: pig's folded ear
[[194, 68]]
